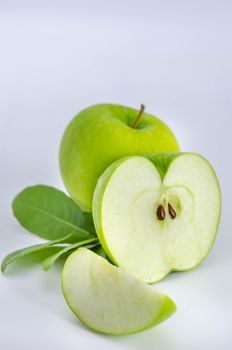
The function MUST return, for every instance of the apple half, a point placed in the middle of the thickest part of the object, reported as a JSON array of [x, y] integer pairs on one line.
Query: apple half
[[107, 299], [158, 213]]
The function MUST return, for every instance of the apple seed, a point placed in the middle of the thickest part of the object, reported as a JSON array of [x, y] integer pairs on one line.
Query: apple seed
[[171, 211], [160, 213]]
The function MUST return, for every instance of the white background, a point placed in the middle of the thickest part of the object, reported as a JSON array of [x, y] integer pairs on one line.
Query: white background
[[57, 57]]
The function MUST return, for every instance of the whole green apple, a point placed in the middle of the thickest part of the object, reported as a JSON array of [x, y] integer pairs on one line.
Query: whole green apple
[[101, 134]]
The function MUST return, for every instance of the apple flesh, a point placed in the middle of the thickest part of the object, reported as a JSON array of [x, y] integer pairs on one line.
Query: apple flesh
[[109, 300], [158, 213], [101, 134]]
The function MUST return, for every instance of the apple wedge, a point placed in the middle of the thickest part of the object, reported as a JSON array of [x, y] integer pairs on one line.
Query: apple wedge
[[109, 300], [157, 213]]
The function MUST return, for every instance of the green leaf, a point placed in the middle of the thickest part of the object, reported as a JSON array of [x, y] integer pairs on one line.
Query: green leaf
[[50, 213], [100, 251], [21, 253], [48, 262]]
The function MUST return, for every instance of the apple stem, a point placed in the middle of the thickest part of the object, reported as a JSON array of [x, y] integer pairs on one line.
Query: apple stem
[[137, 120]]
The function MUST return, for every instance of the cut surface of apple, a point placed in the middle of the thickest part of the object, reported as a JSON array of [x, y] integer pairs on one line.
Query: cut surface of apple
[[157, 213], [107, 299]]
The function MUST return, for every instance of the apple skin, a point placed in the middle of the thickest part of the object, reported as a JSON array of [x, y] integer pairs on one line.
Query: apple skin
[[101, 134]]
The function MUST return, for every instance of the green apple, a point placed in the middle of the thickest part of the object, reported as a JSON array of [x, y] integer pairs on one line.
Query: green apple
[[101, 134], [158, 213], [109, 300]]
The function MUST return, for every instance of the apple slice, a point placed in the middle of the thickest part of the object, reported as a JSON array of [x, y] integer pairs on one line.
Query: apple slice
[[109, 300], [157, 213]]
